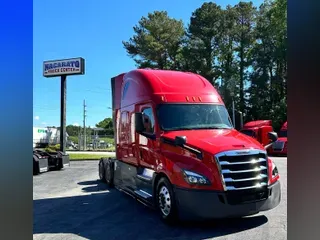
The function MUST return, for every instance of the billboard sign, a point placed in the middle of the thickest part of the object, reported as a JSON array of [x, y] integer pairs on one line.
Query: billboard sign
[[55, 68]]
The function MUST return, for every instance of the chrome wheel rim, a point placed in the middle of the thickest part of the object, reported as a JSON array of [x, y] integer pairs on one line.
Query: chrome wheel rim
[[164, 200]]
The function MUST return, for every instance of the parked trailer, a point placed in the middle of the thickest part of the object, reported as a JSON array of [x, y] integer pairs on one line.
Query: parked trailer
[[45, 161], [40, 163], [280, 147], [259, 130], [42, 137], [177, 151]]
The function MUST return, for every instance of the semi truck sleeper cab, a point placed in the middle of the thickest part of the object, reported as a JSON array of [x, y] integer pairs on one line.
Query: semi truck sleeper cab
[[280, 147], [177, 151], [259, 130]]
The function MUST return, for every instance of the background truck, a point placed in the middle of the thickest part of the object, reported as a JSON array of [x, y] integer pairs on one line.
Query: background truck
[[44, 136], [177, 151], [44, 161], [40, 162], [258, 130], [280, 147]]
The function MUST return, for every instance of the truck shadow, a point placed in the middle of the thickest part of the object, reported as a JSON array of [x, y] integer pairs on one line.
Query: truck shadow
[[93, 186], [110, 214]]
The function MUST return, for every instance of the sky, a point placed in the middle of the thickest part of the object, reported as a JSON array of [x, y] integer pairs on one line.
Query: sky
[[93, 30]]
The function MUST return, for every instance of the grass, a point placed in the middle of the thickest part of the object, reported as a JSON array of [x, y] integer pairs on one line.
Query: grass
[[107, 139], [88, 156]]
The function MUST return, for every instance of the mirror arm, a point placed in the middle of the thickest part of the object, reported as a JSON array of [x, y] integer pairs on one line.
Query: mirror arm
[[268, 145]]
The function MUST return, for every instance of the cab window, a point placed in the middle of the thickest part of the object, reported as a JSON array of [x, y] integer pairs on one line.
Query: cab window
[[148, 120]]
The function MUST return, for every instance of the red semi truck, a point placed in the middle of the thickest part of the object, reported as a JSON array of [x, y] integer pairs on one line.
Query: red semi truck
[[177, 151], [280, 147], [258, 130]]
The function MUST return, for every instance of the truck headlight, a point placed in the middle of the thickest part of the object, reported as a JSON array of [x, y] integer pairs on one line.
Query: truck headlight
[[195, 178]]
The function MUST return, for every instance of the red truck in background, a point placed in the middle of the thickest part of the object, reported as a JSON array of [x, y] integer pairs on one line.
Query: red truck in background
[[177, 151], [259, 130], [280, 147]]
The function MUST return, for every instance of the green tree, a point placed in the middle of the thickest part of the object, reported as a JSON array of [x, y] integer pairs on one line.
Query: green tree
[[107, 125], [262, 64], [226, 59], [244, 37], [268, 79], [278, 15], [73, 130], [204, 37], [239, 49], [156, 42]]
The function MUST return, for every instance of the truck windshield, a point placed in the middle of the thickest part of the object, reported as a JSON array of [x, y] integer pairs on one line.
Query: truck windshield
[[283, 133], [193, 116]]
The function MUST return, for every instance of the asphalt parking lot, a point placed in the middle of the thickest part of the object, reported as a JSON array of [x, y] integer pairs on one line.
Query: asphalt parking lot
[[73, 204]]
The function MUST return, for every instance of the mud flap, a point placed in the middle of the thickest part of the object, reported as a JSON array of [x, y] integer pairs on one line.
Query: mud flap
[[43, 165], [65, 160]]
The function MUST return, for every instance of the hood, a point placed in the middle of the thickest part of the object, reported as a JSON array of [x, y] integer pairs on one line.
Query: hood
[[214, 141]]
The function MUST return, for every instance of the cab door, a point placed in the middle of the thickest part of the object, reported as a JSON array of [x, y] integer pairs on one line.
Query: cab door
[[147, 140]]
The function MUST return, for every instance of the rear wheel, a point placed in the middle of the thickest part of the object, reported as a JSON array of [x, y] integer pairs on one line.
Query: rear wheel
[[101, 171], [166, 202], [59, 165], [36, 168], [109, 172]]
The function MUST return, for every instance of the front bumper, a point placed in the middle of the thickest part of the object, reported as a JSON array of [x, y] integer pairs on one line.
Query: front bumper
[[213, 204]]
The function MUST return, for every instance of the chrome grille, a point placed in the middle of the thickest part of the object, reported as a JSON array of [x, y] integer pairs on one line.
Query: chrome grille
[[243, 169], [278, 145]]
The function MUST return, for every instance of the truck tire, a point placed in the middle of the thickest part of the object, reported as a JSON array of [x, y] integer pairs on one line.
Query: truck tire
[[109, 172], [36, 167], [166, 203], [101, 170], [59, 165]]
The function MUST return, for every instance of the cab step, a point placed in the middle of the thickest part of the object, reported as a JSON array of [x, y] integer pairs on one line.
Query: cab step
[[143, 194], [145, 174]]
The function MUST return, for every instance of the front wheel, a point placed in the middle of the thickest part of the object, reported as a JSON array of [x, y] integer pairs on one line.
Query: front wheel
[[166, 203]]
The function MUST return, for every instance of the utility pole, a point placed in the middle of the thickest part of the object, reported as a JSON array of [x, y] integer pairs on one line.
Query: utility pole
[[79, 138], [63, 98], [84, 125]]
